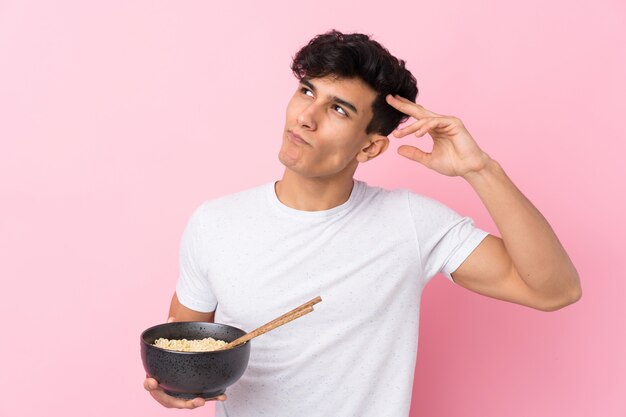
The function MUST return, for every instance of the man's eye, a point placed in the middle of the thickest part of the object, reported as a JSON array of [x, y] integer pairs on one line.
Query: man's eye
[[340, 110], [304, 90]]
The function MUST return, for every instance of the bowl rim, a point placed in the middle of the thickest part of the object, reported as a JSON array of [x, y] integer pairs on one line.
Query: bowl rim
[[149, 345]]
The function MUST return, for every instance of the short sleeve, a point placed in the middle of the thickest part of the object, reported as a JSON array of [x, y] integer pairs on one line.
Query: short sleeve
[[193, 289], [445, 238]]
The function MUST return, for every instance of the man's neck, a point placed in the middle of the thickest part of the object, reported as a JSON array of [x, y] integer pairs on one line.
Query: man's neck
[[313, 194]]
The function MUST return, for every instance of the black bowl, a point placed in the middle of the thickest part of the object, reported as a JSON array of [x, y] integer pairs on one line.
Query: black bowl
[[194, 374]]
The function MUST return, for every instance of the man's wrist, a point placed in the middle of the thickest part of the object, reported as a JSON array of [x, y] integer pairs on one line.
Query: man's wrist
[[487, 171]]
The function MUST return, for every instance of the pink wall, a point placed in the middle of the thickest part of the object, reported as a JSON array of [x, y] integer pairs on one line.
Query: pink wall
[[118, 118]]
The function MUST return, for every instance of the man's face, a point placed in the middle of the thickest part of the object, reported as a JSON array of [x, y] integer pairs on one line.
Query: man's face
[[330, 116]]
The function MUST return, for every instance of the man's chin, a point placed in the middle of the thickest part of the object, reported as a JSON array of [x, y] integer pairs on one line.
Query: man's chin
[[293, 165], [289, 158]]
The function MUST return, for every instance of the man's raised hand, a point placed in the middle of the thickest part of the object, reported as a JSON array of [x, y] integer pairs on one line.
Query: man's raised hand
[[454, 153]]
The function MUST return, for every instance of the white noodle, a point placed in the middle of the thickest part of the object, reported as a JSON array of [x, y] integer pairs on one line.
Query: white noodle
[[184, 345]]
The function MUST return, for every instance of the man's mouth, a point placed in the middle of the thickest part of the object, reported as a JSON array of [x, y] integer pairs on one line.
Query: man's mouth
[[296, 138]]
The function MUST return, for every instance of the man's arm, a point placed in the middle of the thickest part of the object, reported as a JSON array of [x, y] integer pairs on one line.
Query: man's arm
[[528, 265], [179, 312]]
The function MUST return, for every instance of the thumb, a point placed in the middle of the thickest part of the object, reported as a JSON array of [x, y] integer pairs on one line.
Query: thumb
[[171, 319], [414, 153]]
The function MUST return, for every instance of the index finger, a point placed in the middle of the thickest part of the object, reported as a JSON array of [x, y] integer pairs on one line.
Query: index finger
[[408, 107]]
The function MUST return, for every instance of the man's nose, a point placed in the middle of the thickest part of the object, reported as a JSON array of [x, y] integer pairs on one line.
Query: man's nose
[[308, 116]]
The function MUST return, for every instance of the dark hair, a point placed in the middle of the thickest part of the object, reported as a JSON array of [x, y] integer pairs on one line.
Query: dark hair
[[356, 55]]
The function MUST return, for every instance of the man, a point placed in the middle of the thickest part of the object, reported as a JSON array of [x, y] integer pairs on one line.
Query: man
[[368, 252]]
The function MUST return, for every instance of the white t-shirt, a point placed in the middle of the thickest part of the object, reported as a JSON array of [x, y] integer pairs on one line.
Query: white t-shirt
[[251, 258]]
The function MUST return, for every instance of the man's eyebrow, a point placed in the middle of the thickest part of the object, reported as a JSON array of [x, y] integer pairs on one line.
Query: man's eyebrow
[[333, 98]]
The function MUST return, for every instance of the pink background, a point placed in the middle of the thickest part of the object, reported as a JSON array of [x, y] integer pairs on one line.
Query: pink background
[[118, 118]]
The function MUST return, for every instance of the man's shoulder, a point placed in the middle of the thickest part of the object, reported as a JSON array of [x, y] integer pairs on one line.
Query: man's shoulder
[[239, 200], [377, 191], [255, 192], [402, 196], [391, 195]]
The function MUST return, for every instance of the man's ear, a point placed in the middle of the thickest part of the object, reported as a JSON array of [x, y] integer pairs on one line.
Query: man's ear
[[377, 144]]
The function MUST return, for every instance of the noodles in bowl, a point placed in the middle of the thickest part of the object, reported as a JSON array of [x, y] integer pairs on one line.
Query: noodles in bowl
[[183, 345]]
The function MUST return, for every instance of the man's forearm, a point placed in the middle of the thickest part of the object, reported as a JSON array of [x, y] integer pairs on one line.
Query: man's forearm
[[534, 248]]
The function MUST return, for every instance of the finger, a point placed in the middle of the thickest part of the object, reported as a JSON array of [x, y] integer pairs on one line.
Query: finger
[[199, 402], [412, 128], [150, 383], [171, 402], [171, 319], [424, 126], [435, 123], [406, 106], [196, 402], [222, 397], [152, 386], [414, 154], [419, 106]]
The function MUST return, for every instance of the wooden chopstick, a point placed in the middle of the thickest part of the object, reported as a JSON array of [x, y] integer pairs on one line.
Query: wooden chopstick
[[300, 311], [310, 303]]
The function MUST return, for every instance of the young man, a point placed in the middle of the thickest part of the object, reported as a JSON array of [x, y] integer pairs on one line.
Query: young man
[[368, 252]]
